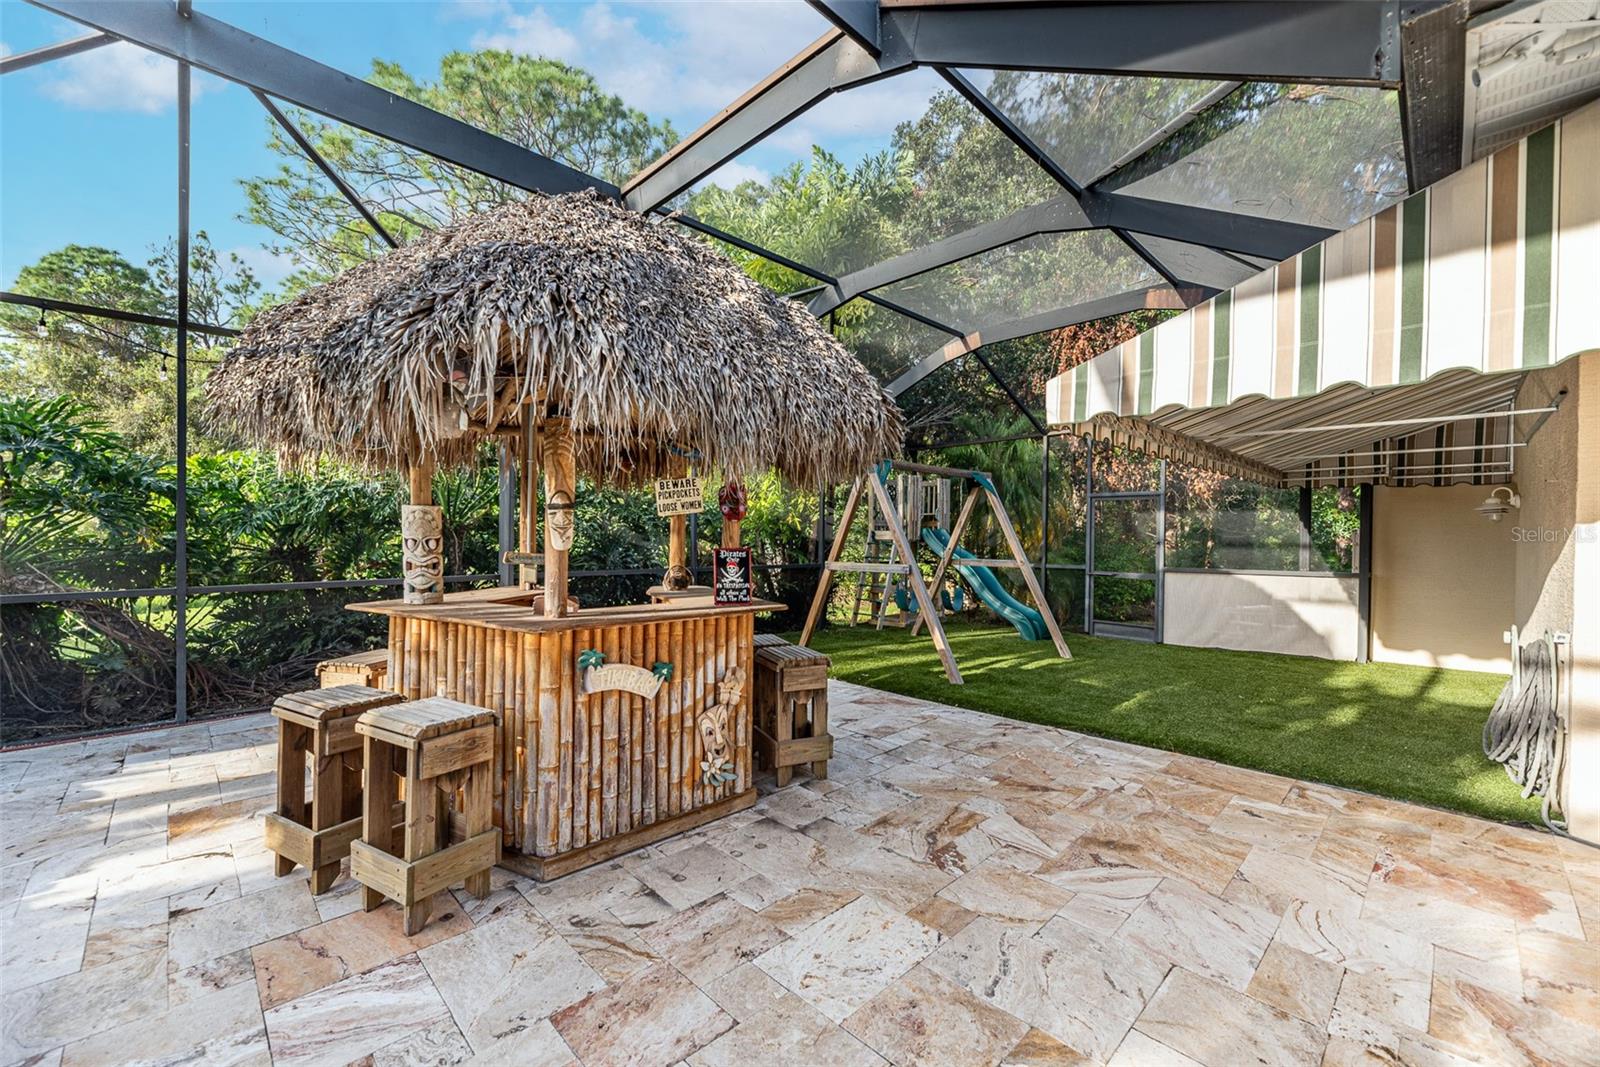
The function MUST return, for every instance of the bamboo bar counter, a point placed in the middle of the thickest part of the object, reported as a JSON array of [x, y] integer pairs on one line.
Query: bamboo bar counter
[[588, 767], [577, 338]]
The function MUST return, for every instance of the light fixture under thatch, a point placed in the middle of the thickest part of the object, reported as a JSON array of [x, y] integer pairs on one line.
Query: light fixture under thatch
[[649, 341]]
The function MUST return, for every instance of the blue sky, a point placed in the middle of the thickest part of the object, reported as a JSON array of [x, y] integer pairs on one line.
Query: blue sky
[[87, 144]]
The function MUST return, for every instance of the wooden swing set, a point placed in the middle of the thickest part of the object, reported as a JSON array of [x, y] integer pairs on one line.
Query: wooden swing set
[[902, 562]]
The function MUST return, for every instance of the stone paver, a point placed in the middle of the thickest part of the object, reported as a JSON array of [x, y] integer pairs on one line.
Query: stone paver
[[963, 889]]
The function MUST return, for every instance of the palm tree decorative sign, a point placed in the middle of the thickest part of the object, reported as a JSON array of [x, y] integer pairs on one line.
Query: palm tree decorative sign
[[599, 676]]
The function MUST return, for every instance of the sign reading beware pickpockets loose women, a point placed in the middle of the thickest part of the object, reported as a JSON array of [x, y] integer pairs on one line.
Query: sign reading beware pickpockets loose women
[[679, 496]]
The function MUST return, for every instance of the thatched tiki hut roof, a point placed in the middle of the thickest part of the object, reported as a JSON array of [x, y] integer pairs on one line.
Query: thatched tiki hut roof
[[649, 340]]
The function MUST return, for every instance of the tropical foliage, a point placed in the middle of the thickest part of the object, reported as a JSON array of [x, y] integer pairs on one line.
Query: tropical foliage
[[88, 482]]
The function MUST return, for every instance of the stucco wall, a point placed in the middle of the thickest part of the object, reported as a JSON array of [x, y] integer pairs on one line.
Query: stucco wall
[[1583, 794], [1299, 614], [1547, 480], [1557, 547], [1443, 579]]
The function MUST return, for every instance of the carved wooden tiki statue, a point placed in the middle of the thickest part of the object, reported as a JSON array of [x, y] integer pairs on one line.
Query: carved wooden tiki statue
[[422, 541]]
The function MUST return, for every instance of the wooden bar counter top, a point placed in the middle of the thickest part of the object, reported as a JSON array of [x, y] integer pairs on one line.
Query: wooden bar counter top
[[619, 726]]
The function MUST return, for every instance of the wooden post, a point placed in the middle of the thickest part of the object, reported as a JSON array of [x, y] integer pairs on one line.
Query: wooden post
[[560, 483], [377, 821], [421, 836], [421, 479], [293, 740], [677, 575]]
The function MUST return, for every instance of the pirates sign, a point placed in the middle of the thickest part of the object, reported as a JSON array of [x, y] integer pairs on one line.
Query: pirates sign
[[679, 496], [731, 583]]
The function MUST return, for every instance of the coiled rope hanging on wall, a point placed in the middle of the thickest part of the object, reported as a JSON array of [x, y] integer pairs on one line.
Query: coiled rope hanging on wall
[[1526, 730]]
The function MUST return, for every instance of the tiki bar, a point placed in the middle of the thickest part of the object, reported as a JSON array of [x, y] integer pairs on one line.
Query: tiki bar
[[599, 347]]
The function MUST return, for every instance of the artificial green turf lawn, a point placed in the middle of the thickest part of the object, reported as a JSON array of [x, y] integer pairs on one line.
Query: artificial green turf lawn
[[1413, 733]]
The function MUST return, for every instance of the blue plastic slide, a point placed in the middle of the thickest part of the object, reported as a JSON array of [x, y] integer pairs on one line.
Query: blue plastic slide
[[1029, 623]]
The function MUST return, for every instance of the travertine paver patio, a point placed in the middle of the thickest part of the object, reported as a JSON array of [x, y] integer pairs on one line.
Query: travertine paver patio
[[962, 889]]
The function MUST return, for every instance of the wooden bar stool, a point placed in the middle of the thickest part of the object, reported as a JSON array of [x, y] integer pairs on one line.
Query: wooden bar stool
[[359, 668], [319, 727], [791, 708], [437, 747]]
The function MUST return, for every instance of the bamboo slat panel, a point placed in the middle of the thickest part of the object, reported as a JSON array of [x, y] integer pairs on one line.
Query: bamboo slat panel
[[574, 769]]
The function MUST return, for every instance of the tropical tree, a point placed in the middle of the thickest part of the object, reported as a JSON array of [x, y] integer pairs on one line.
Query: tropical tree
[[122, 371], [541, 104]]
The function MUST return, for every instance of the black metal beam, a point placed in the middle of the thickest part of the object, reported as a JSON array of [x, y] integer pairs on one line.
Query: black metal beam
[[914, 316], [1014, 133], [1229, 230], [1210, 270], [1330, 41], [67, 307], [1433, 48], [747, 246], [1019, 137], [507, 515], [1222, 231], [799, 268], [1345, 41], [1168, 129], [180, 496], [327, 169], [1011, 394], [61, 50], [1045, 162], [1305, 524], [1364, 537], [1088, 311], [231, 53], [1059, 214], [857, 18], [829, 64]]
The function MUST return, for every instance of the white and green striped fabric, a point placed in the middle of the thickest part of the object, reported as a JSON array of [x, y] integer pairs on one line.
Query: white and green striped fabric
[[1496, 268]]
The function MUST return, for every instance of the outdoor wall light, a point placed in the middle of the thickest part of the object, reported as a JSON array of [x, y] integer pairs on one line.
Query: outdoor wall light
[[1495, 506]]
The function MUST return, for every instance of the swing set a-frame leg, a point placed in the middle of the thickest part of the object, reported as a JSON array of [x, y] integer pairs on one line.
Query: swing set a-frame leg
[[919, 588], [825, 581], [1028, 577], [949, 550]]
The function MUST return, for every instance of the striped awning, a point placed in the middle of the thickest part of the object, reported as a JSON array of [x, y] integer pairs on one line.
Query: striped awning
[[1458, 426], [1433, 308]]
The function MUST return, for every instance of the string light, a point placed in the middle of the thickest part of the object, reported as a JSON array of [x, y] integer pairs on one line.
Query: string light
[[43, 329]]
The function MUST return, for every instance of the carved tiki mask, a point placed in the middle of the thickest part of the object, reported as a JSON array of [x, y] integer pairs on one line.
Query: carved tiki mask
[[714, 735], [558, 524], [716, 769], [422, 545]]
